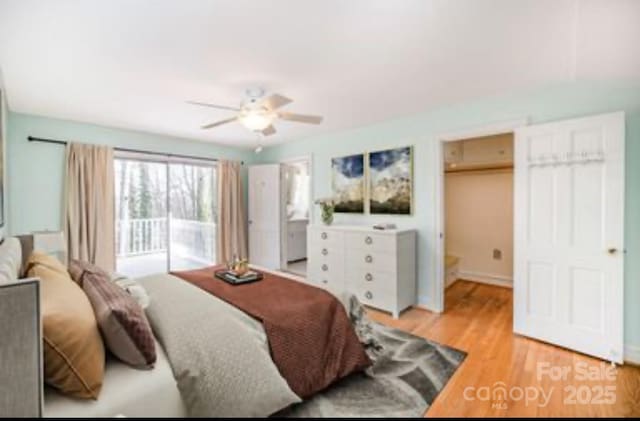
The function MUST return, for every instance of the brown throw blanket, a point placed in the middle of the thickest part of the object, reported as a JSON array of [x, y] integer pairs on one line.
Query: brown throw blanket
[[310, 335]]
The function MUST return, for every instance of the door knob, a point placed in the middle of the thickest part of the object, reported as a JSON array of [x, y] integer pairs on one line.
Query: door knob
[[612, 250]]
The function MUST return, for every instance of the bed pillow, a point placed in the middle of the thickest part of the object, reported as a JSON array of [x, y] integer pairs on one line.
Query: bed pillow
[[73, 350], [124, 326], [48, 261], [77, 269], [133, 287], [10, 260]]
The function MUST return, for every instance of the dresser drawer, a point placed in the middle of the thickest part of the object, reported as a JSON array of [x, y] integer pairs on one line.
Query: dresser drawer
[[375, 296], [361, 278], [371, 260], [325, 238], [327, 265], [371, 241], [329, 275], [325, 251]]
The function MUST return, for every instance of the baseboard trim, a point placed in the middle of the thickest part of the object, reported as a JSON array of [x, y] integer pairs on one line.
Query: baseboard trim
[[632, 354], [423, 307], [486, 278]]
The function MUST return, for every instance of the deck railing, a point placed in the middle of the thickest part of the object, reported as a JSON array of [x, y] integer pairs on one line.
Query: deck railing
[[193, 239]]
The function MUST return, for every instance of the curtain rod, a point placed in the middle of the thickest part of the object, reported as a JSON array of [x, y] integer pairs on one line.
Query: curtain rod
[[64, 142]]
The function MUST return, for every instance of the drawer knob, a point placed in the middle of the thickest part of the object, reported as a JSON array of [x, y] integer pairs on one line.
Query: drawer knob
[[325, 252], [368, 258], [368, 295], [325, 268], [368, 277], [323, 236], [368, 240], [324, 281]]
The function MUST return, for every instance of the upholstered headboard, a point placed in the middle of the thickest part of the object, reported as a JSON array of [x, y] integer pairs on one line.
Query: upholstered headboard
[[20, 330]]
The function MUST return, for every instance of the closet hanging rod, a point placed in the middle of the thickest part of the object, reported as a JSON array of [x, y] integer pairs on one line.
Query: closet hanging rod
[[169, 155], [478, 169]]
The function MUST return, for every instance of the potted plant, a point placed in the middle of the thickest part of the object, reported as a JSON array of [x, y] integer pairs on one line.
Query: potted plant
[[327, 207]]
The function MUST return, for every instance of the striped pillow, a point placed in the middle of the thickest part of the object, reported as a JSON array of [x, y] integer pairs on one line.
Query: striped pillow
[[124, 326]]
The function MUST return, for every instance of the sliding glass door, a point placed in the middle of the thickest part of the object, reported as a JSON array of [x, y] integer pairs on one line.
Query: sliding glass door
[[192, 196], [141, 217], [165, 215]]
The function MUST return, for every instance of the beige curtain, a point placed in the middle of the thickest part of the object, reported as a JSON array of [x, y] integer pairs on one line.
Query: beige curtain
[[232, 233], [89, 214]]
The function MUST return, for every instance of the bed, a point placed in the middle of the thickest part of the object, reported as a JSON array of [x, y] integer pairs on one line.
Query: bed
[[156, 394], [213, 360]]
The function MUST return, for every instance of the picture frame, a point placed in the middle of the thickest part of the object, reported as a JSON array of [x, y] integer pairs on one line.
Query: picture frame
[[390, 181], [348, 183]]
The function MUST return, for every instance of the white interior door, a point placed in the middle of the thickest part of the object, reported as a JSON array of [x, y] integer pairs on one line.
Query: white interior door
[[264, 215], [569, 228]]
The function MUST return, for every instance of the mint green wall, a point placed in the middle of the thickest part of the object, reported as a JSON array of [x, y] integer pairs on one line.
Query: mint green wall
[[36, 170], [422, 130], [3, 165]]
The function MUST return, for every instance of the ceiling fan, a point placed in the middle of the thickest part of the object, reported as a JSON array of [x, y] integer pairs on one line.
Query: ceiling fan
[[257, 112]]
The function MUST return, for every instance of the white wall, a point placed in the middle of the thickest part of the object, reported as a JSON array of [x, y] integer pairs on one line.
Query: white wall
[[3, 153], [479, 219]]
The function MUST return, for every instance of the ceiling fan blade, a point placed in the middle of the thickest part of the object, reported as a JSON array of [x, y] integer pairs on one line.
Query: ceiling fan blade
[[269, 131], [301, 118], [276, 101], [219, 123], [220, 107]]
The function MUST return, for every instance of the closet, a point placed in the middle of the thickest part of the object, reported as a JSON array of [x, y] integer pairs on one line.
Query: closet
[[479, 210]]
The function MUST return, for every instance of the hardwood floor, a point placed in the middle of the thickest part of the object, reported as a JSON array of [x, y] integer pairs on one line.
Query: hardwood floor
[[478, 320]]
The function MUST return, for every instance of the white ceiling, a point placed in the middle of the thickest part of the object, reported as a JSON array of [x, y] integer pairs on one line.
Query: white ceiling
[[133, 63]]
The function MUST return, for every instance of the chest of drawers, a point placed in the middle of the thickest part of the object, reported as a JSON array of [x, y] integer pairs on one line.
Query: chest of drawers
[[379, 267]]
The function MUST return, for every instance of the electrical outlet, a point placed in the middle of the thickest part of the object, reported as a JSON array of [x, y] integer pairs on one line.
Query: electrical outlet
[[497, 254]]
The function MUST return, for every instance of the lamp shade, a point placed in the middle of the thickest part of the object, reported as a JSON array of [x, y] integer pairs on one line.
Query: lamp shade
[[257, 119]]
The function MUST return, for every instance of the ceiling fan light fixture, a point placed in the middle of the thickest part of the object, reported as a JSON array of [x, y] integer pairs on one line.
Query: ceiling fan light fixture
[[257, 120]]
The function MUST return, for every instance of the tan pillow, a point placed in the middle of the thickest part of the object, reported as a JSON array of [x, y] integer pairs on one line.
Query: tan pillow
[[73, 351], [51, 262]]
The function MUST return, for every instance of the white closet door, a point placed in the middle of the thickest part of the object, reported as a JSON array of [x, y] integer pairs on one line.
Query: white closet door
[[264, 215], [569, 228]]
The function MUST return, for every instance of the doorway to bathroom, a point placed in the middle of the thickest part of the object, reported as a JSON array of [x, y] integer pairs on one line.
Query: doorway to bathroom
[[295, 176]]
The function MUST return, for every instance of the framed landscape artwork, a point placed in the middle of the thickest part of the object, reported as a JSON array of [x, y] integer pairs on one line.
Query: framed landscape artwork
[[391, 181], [347, 181]]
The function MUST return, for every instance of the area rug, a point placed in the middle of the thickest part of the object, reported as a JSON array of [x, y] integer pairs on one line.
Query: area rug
[[407, 374]]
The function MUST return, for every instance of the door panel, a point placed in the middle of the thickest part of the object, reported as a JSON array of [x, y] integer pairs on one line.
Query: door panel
[[141, 217], [587, 288], [587, 223], [540, 285], [264, 215], [569, 213], [192, 221]]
